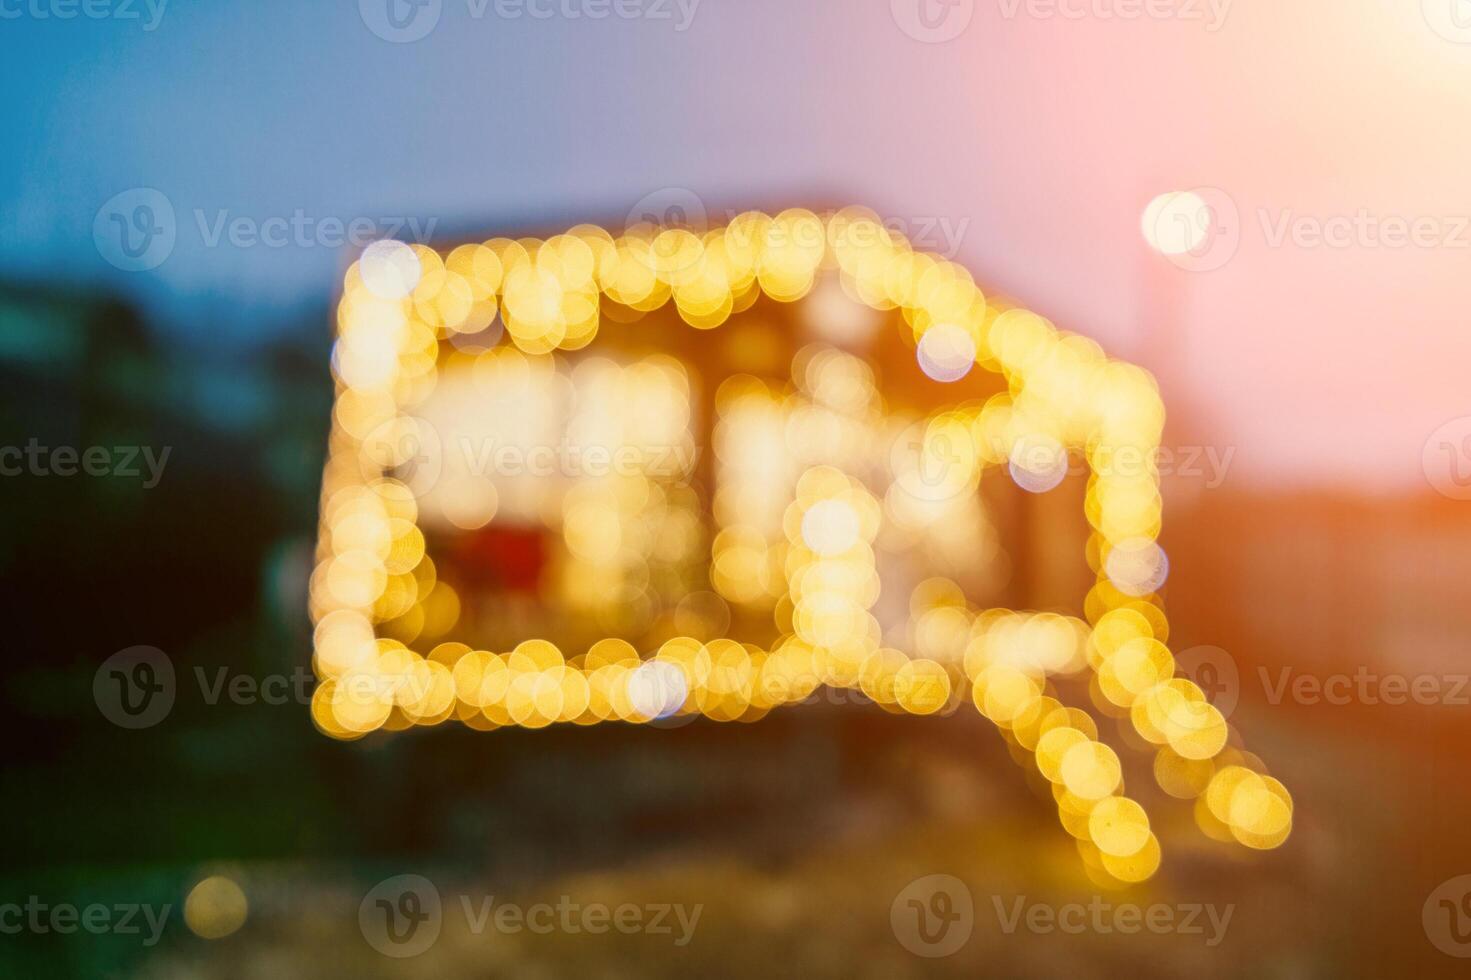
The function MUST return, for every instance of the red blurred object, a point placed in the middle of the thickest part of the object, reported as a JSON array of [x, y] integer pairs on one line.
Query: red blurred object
[[505, 558]]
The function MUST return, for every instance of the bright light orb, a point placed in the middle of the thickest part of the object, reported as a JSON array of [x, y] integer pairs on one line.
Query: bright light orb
[[390, 269], [1176, 223], [215, 908], [830, 527], [1038, 463], [946, 352], [1137, 567], [657, 689]]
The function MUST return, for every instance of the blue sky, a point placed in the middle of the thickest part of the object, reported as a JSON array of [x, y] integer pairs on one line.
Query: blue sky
[[1030, 134], [288, 110]]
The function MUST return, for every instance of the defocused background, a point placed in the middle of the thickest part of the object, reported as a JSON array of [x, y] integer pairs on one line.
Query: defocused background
[[179, 184]]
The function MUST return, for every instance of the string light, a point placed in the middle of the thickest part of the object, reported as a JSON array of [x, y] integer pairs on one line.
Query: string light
[[796, 530]]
